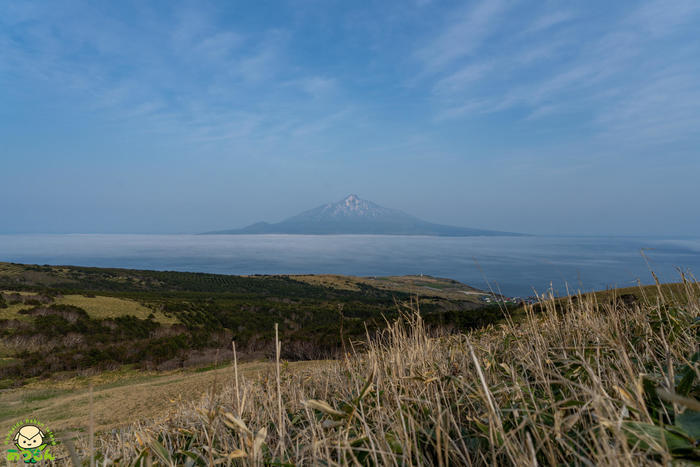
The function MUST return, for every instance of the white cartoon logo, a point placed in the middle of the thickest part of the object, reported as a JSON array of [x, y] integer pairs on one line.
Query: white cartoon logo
[[32, 441], [29, 437]]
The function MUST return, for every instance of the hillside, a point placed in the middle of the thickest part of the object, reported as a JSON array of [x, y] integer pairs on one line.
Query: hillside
[[600, 380], [122, 395], [92, 319], [606, 378], [353, 215]]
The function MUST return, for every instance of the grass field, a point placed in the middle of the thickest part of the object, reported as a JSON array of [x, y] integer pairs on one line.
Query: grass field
[[96, 306], [421, 286], [13, 311], [608, 378], [122, 396], [111, 307], [675, 293], [592, 382]]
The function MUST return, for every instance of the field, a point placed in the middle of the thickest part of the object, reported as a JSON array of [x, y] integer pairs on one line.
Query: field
[[420, 286], [585, 382], [121, 395], [608, 378], [95, 306]]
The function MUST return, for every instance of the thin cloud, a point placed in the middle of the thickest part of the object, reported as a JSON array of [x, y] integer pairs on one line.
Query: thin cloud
[[661, 17], [318, 86], [322, 124], [462, 35], [184, 73], [610, 77], [550, 20], [461, 78]]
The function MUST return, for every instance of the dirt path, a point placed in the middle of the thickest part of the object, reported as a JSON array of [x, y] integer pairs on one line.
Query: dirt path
[[118, 402]]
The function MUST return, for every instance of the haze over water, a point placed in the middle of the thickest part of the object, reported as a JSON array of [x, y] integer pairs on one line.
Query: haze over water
[[513, 265]]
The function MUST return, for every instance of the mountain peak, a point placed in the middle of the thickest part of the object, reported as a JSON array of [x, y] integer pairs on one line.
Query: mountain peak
[[352, 206], [352, 202]]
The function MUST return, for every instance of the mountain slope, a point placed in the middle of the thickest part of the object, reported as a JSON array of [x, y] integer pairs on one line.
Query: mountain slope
[[353, 215]]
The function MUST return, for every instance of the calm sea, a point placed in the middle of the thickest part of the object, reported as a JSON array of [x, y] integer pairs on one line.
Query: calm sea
[[513, 265]]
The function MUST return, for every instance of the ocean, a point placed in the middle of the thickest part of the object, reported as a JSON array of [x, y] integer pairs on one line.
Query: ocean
[[514, 266]]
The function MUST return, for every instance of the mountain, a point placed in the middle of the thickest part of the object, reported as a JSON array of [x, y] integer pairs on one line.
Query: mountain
[[353, 215]]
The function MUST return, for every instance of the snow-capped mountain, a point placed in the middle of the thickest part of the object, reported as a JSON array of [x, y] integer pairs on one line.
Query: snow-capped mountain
[[352, 207], [354, 215]]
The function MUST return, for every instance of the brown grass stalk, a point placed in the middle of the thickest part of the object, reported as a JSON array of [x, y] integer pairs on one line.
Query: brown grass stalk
[[574, 384]]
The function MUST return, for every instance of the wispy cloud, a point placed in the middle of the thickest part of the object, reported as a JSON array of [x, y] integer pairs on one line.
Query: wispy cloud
[[188, 75], [663, 109], [321, 124], [317, 86], [461, 78], [549, 20], [628, 91], [464, 32], [660, 17], [264, 60]]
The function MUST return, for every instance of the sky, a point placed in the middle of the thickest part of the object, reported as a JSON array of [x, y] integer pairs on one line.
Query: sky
[[578, 117]]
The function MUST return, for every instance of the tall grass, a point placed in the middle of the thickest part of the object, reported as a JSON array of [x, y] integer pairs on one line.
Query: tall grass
[[580, 383]]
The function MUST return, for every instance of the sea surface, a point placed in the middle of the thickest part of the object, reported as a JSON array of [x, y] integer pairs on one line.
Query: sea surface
[[515, 266]]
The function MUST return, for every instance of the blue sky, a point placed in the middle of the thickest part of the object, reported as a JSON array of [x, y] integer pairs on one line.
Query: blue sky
[[543, 117]]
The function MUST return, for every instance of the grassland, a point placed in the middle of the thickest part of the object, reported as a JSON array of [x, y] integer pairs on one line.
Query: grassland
[[586, 382], [12, 311], [121, 395], [425, 287], [111, 307], [98, 307], [609, 378]]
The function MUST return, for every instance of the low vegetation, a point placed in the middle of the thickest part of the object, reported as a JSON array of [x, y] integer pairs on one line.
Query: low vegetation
[[584, 382], [61, 320], [610, 378]]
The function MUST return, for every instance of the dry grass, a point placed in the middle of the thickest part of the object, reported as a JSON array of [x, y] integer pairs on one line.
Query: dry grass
[[120, 396], [422, 286], [597, 383], [334, 281]]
